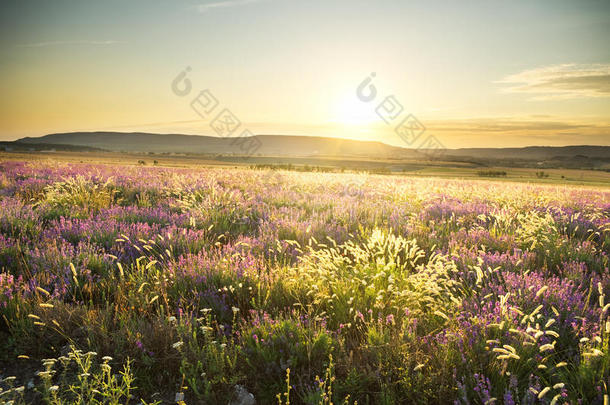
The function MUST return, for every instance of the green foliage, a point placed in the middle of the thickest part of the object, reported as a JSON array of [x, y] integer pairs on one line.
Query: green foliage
[[270, 348], [491, 173], [208, 359], [77, 379]]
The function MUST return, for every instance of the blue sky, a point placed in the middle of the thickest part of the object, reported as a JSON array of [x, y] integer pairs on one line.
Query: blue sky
[[475, 73]]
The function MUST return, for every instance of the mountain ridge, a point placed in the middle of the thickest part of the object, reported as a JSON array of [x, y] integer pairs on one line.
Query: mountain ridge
[[293, 145], [181, 143]]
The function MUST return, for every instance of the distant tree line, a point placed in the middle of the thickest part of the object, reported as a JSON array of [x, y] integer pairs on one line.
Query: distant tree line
[[491, 173], [321, 169]]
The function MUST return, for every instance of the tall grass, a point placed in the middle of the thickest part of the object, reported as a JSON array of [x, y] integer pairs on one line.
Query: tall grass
[[151, 285]]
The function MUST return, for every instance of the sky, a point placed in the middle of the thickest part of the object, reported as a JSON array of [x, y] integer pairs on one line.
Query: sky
[[472, 73]]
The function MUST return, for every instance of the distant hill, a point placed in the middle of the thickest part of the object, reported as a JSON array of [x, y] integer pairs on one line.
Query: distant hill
[[313, 146], [270, 145], [18, 146], [534, 152]]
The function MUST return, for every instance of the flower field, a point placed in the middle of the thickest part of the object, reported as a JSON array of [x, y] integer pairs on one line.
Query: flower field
[[125, 284]]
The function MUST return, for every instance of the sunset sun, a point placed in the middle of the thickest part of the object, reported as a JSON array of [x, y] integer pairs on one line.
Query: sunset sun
[[351, 112]]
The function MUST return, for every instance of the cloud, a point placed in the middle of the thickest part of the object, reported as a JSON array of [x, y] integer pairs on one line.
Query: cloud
[[500, 125], [70, 42], [562, 81], [521, 131], [202, 8]]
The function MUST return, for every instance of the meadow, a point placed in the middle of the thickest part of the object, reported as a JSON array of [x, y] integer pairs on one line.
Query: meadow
[[130, 284]]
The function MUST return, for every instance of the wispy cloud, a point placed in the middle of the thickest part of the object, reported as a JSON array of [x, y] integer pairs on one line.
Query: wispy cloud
[[202, 8], [519, 131], [562, 81], [69, 42], [506, 125]]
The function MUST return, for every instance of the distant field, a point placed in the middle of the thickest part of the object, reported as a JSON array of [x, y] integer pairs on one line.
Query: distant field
[[207, 284], [395, 167], [555, 176]]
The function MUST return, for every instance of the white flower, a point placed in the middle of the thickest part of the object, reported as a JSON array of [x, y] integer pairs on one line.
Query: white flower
[[179, 396], [177, 345]]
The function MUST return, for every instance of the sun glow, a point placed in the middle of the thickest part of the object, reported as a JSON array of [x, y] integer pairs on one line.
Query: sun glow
[[352, 112]]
